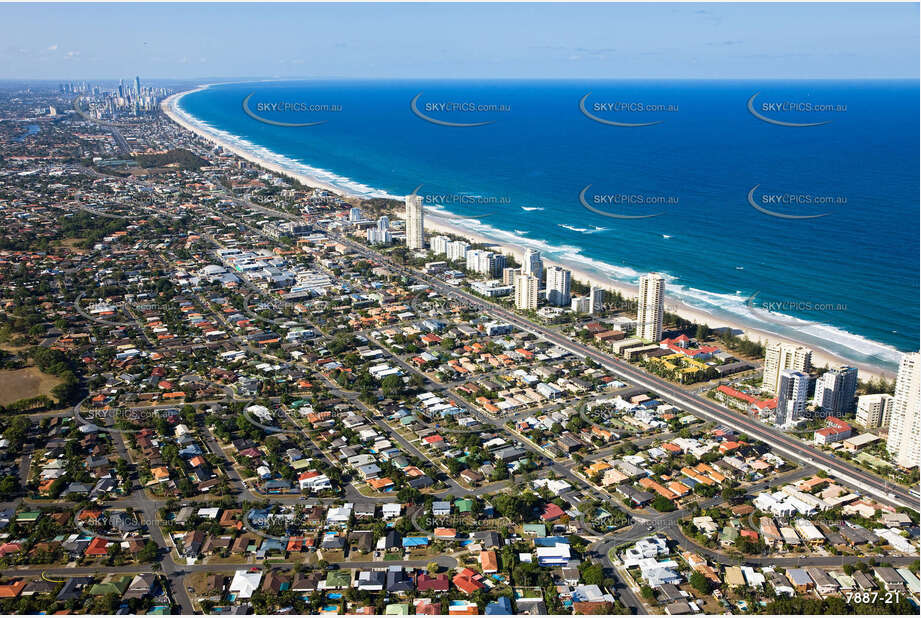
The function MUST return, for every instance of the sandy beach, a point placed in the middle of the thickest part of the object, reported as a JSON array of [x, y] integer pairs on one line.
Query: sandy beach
[[445, 225], [820, 357], [170, 107]]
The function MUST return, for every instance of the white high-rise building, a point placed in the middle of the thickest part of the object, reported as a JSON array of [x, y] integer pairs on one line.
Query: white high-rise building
[[439, 245], [526, 292], [415, 239], [559, 281], [354, 214], [595, 299], [874, 410], [835, 391], [791, 396], [532, 264], [581, 304], [485, 262], [650, 310], [905, 424], [780, 356], [457, 250], [380, 233]]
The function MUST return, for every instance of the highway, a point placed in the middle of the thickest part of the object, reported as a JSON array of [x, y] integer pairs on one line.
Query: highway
[[777, 440]]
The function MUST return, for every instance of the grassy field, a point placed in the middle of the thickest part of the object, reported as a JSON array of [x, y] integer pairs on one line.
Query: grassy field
[[19, 384]]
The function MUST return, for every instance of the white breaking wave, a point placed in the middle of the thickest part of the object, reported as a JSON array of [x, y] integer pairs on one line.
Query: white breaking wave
[[824, 336], [573, 228], [347, 185]]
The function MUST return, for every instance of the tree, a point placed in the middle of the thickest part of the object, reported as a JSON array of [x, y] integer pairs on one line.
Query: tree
[[149, 552], [663, 504], [700, 582], [648, 593], [593, 574]]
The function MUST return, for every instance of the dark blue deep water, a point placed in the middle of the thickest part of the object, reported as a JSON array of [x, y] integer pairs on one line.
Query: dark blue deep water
[[848, 280]]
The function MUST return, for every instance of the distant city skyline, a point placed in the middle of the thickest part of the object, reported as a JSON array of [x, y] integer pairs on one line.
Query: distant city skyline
[[404, 41]]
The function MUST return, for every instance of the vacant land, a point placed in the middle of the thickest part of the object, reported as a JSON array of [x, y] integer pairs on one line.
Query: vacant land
[[19, 384]]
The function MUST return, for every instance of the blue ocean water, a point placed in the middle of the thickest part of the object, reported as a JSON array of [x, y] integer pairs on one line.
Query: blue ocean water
[[847, 282]]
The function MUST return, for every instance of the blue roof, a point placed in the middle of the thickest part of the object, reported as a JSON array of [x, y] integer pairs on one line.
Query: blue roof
[[500, 607], [415, 541], [550, 541]]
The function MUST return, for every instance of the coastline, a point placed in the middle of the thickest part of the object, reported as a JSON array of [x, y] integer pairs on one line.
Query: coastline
[[444, 224], [820, 357], [170, 107]]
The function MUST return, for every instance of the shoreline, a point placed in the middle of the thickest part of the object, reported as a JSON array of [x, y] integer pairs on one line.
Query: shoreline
[[443, 224], [170, 107], [820, 357]]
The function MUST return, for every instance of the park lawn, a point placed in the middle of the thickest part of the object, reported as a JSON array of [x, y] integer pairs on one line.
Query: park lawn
[[16, 384]]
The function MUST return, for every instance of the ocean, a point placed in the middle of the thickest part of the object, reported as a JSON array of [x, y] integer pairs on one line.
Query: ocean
[[807, 231]]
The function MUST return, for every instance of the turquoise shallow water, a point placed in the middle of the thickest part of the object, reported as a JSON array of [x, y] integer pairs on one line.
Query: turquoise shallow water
[[847, 282]]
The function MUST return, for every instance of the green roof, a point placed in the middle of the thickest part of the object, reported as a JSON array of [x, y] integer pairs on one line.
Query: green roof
[[397, 609], [464, 505], [339, 579], [729, 534], [117, 586], [535, 529]]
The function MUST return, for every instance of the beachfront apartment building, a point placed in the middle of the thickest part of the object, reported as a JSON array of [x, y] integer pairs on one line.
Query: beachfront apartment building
[[791, 397], [457, 250], [485, 262], [595, 299], [532, 264], [874, 410], [380, 233], [835, 391], [650, 307], [526, 292], [905, 424], [509, 274], [581, 304], [439, 245], [415, 238], [559, 282], [780, 356]]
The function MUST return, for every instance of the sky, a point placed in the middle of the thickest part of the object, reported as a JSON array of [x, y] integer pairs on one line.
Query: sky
[[686, 40]]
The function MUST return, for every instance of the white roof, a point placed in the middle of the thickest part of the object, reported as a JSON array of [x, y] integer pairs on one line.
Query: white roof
[[244, 583]]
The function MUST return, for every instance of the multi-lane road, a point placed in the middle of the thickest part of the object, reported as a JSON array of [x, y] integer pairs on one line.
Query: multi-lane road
[[777, 440]]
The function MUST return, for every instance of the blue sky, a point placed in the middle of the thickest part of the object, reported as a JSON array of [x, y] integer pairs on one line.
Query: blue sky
[[711, 41]]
